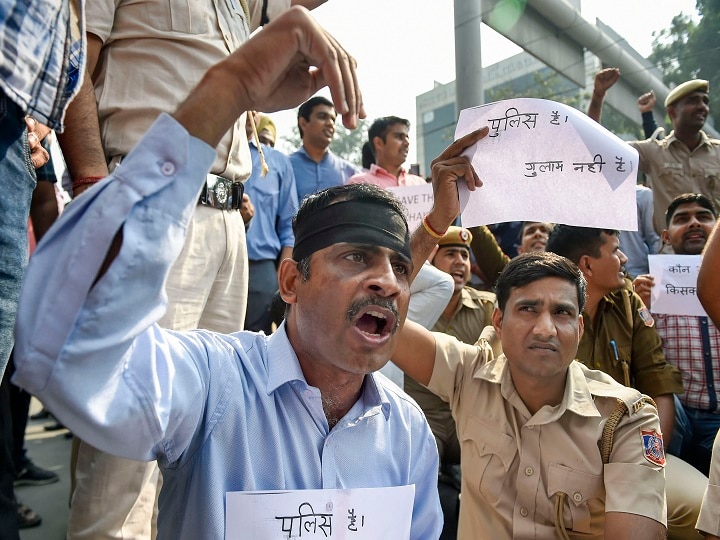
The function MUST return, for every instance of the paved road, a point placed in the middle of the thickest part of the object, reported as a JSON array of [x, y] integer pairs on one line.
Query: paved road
[[50, 450]]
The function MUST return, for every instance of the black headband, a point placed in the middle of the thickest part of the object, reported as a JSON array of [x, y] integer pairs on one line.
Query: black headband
[[353, 221]]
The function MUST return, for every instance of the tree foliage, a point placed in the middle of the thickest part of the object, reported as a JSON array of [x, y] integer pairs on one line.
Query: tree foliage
[[689, 50], [347, 143]]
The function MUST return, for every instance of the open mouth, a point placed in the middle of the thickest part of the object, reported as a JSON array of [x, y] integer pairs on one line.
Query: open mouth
[[373, 323], [374, 318]]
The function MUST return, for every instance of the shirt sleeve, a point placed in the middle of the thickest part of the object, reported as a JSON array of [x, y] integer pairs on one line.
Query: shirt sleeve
[[653, 374], [288, 204], [454, 362], [90, 350], [645, 221], [100, 16], [631, 466], [709, 519], [488, 254], [430, 293]]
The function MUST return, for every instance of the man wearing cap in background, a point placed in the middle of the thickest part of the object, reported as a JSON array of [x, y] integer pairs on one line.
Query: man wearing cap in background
[[267, 132], [687, 160], [466, 314]]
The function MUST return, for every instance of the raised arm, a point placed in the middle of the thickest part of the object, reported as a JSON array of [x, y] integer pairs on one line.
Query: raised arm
[[113, 247], [709, 277], [415, 352], [604, 80], [488, 254]]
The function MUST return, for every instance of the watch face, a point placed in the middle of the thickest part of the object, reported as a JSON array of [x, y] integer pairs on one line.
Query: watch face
[[221, 192]]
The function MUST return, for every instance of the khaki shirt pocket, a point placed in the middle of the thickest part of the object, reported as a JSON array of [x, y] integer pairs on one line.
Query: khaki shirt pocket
[[183, 17], [487, 455], [710, 182], [585, 497]]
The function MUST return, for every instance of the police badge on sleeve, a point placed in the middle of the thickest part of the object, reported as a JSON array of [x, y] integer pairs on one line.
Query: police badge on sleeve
[[653, 448], [646, 317]]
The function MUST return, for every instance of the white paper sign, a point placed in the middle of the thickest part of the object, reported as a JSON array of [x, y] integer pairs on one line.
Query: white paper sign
[[417, 199], [675, 290], [545, 161], [356, 514]]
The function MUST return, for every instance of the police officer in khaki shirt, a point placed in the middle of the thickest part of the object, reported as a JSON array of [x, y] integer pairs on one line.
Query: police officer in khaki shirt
[[687, 160], [467, 313], [620, 339], [531, 421]]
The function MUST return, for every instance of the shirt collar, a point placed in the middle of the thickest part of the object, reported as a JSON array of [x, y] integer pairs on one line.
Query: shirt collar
[[283, 367], [379, 171], [304, 153], [704, 139], [466, 300], [577, 397]]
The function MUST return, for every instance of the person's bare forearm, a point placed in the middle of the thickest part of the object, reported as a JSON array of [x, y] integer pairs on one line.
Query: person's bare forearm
[[666, 411], [709, 277], [80, 142], [596, 105]]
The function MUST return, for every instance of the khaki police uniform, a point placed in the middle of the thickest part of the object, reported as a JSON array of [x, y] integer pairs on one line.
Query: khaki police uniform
[[673, 169], [515, 465], [488, 254], [639, 345], [474, 312], [709, 520]]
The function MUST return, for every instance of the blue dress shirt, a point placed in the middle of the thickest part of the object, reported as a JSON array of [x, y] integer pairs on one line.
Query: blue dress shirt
[[311, 177], [275, 199], [219, 412]]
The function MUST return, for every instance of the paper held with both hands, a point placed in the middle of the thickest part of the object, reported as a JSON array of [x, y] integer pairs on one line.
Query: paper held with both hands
[[545, 161]]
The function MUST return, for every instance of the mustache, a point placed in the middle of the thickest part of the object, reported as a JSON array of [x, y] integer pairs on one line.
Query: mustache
[[359, 305]]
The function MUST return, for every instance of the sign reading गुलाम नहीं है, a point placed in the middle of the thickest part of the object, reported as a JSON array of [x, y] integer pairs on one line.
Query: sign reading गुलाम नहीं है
[[545, 161], [357, 514]]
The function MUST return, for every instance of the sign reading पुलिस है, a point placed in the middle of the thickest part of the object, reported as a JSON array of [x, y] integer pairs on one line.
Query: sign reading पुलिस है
[[545, 161]]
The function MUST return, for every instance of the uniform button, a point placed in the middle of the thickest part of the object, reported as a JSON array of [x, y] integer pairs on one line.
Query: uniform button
[[529, 471], [597, 365], [577, 497], [167, 168], [523, 512]]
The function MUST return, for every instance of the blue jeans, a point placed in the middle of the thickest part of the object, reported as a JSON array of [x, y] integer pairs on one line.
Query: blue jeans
[[693, 435], [17, 175]]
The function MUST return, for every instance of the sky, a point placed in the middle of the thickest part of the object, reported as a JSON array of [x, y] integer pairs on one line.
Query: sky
[[403, 46]]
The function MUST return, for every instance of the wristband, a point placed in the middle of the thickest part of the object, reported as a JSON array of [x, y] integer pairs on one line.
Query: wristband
[[85, 181], [432, 232]]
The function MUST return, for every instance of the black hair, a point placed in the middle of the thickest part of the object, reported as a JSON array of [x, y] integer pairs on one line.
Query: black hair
[[381, 126], [347, 192], [530, 267], [368, 155], [574, 242], [687, 198], [306, 109]]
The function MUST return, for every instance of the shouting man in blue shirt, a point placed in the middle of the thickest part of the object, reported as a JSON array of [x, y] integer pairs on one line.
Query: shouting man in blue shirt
[[301, 409]]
